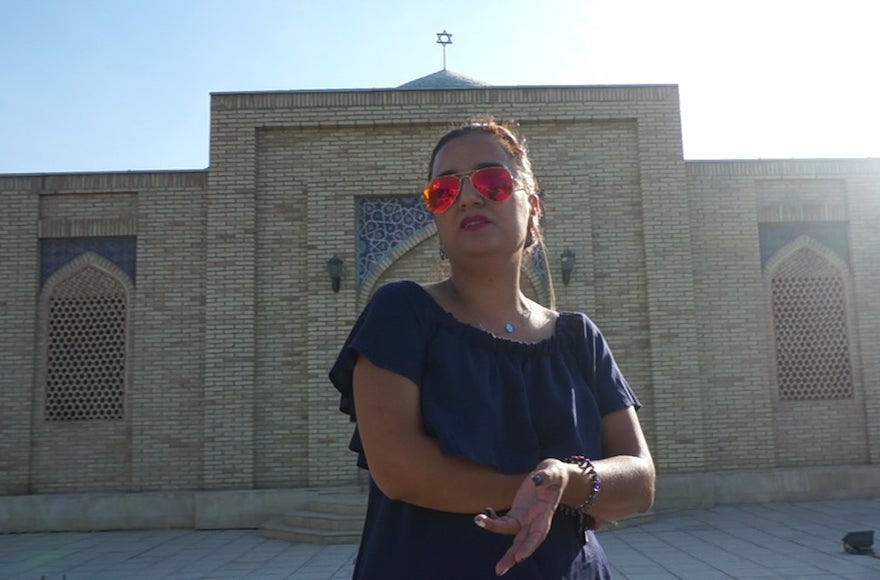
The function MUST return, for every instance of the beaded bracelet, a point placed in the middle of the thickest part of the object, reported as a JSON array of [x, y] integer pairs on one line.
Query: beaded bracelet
[[588, 468]]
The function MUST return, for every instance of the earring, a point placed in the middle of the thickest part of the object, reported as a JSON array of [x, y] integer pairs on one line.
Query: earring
[[530, 235], [443, 255]]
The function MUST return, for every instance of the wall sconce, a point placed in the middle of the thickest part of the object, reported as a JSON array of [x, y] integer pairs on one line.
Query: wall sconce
[[334, 268], [567, 266]]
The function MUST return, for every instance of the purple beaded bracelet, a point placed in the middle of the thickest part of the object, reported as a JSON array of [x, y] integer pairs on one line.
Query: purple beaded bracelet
[[588, 468]]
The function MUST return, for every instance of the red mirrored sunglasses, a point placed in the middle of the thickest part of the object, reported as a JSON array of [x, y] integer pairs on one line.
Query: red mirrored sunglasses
[[494, 183]]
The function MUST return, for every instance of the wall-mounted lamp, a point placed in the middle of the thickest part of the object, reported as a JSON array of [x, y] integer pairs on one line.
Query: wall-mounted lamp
[[334, 268], [567, 266]]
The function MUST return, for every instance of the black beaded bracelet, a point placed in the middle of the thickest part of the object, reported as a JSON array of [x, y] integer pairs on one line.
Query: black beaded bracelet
[[588, 468]]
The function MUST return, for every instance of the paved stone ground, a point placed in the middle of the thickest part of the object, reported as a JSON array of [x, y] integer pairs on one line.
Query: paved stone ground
[[780, 540]]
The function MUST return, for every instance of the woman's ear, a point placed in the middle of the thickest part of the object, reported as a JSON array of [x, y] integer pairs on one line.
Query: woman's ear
[[534, 205]]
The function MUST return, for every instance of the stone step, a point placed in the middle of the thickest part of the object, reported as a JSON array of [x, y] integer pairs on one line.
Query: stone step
[[338, 518], [631, 521], [329, 517], [278, 530], [323, 521], [342, 503]]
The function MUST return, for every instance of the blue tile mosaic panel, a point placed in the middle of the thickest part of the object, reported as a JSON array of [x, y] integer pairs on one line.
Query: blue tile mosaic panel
[[56, 252], [382, 225], [385, 223], [534, 261]]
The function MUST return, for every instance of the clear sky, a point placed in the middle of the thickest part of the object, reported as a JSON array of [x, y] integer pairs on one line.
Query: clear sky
[[100, 85]]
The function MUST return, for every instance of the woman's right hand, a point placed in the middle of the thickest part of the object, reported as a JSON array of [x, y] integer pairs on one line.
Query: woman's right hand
[[531, 514]]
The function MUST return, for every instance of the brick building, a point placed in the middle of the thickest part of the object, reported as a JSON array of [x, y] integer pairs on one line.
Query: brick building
[[166, 336]]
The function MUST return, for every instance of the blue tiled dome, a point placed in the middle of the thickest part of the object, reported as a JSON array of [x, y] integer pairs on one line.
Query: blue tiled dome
[[443, 79]]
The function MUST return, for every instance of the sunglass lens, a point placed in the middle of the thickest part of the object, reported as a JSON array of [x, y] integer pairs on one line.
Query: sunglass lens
[[441, 193], [493, 183]]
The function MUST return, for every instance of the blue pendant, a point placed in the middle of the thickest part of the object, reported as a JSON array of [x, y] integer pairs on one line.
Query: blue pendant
[[508, 327]]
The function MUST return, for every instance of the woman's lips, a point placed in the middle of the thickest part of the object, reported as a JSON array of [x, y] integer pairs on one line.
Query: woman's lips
[[473, 222]]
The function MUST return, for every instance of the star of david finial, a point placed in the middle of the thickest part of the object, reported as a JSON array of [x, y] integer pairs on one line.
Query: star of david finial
[[444, 38]]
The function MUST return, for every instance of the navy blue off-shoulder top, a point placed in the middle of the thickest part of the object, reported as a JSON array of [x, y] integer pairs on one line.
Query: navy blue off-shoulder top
[[494, 401]]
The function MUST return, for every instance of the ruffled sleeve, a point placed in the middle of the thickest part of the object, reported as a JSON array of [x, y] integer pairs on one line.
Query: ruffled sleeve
[[392, 332], [610, 388]]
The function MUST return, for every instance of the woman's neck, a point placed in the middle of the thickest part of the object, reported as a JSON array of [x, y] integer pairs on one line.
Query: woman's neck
[[491, 292]]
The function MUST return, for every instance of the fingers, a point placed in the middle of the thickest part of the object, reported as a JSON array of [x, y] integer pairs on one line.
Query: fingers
[[506, 525], [531, 514], [528, 528], [524, 545]]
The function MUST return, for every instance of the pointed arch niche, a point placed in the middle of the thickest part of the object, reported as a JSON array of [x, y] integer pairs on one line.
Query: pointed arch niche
[[419, 261], [397, 238], [81, 422], [84, 346], [812, 307]]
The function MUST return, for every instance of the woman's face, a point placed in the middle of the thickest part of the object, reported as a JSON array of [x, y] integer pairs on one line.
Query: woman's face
[[474, 225]]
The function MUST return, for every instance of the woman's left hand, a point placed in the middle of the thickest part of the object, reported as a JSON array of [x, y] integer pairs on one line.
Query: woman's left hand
[[531, 514]]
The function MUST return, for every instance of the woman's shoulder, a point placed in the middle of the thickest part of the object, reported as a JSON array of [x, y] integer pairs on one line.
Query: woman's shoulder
[[579, 332], [399, 289], [578, 322], [402, 296]]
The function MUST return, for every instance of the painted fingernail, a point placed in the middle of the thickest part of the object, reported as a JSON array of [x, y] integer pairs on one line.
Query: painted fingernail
[[480, 522], [537, 479], [503, 572]]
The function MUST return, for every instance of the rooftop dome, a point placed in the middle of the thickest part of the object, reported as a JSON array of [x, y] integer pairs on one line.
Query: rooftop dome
[[444, 79]]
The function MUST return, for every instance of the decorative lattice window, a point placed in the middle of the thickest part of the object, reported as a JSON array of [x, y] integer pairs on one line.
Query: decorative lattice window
[[809, 314], [86, 350]]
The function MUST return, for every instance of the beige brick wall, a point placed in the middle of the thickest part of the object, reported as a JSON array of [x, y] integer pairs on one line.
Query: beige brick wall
[[142, 451], [234, 325], [281, 402], [377, 133], [169, 338], [863, 197], [751, 426], [19, 280], [230, 321]]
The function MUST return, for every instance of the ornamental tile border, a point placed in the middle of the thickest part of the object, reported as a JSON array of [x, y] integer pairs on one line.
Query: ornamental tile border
[[387, 228]]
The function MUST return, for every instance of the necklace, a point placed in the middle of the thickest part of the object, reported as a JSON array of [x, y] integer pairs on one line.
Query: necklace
[[509, 327]]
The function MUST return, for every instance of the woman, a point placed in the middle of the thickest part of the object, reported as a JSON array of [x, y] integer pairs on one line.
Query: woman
[[472, 399]]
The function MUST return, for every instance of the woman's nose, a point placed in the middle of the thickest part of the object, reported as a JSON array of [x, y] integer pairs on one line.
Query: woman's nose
[[469, 194]]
